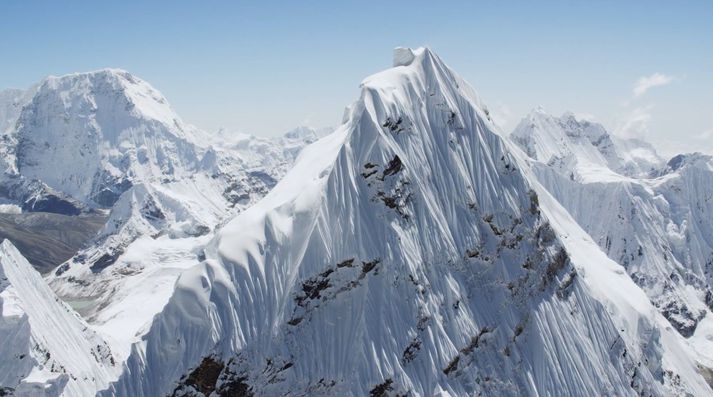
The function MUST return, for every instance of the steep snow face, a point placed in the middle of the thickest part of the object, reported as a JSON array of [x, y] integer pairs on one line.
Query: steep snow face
[[155, 230], [46, 348], [408, 252], [91, 135], [653, 226], [581, 148], [11, 103]]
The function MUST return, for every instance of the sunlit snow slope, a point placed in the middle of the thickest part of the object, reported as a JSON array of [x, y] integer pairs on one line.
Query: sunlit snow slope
[[655, 224], [46, 349], [410, 252]]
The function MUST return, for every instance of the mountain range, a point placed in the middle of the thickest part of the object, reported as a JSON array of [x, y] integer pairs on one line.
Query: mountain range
[[416, 249]]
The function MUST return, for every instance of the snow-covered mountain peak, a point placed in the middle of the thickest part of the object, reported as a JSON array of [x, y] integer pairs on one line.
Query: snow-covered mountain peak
[[94, 89], [539, 110], [581, 147], [639, 156], [696, 160], [548, 138], [568, 125], [407, 252], [422, 75], [107, 129]]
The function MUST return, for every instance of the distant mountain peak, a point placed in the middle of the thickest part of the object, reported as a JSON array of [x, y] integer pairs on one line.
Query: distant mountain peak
[[84, 89], [696, 160], [575, 142], [106, 129]]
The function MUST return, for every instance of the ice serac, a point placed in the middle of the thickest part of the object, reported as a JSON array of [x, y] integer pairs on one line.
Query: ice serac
[[409, 252], [403, 56], [46, 349]]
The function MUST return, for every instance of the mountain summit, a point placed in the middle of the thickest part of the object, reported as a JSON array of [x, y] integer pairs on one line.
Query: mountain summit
[[582, 147], [93, 135], [411, 251]]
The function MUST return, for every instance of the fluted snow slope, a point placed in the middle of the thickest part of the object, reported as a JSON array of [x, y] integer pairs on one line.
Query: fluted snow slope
[[107, 141], [656, 226], [411, 251], [46, 349]]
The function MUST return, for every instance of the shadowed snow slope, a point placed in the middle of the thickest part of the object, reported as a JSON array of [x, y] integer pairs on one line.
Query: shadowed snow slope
[[46, 349], [413, 252]]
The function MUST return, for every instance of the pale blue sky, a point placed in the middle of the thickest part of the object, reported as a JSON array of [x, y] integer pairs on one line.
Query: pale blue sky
[[265, 67]]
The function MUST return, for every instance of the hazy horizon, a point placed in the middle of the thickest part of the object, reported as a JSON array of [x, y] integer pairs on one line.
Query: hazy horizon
[[642, 70]]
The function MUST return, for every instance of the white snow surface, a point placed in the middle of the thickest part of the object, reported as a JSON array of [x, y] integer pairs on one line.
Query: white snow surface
[[583, 147], [109, 141], [411, 251], [84, 133], [655, 224], [172, 184], [46, 349]]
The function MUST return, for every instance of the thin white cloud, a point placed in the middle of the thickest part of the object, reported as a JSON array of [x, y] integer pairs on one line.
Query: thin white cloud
[[645, 83], [636, 123], [705, 135]]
